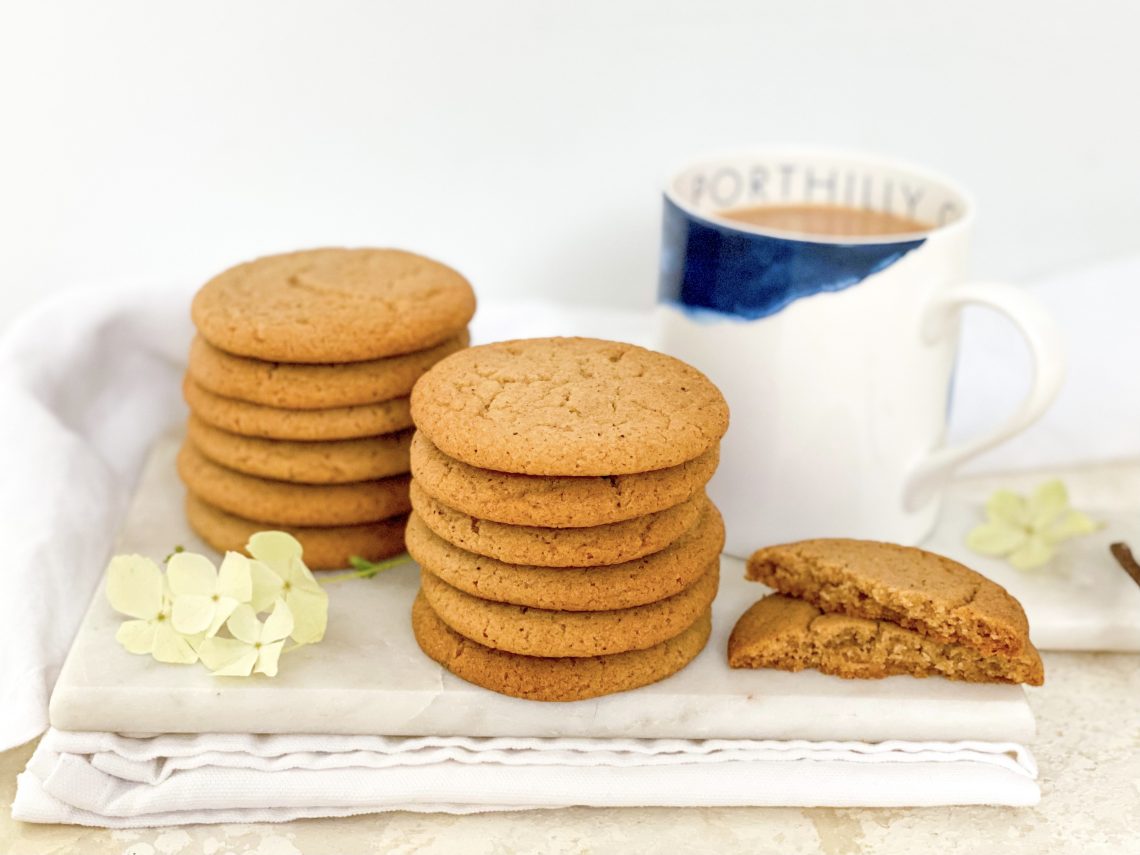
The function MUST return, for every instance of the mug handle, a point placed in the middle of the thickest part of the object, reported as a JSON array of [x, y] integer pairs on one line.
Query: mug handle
[[1046, 346]]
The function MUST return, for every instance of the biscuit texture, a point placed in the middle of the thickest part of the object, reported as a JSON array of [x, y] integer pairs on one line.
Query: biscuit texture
[[542, 632], [282, 503], [553, 501], [553, 679], [791, 635], [333, 305], [614, 543], [930, 594], [313, 387], [242, 417], [325, 548], [334, 462], [616, 586], [568, 406]]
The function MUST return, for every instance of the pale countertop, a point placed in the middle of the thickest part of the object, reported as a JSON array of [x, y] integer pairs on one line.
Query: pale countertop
[[1088, 748]]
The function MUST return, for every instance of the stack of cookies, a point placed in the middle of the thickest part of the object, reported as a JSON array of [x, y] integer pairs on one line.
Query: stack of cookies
[[566, 545], [863, 609], [298, 388]]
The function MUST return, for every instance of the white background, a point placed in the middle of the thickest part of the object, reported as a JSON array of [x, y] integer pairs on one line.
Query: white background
[[525, 142]]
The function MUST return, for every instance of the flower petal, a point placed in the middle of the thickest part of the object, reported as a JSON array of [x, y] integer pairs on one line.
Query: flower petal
[[1008, 507], [170, 646], [134, 586], [189, 573], [266, 586], [136, 636], [244, 625], [996, 538], [1072, 524], [227, 657], [223, 608], [235, 578], [1047, 503], [267, 658], [1035, 552], [310, 614], [276, 549], [192, 613], [278, 625]]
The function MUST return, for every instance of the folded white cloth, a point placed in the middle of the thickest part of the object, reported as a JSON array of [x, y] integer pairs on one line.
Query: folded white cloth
[[121, 782]]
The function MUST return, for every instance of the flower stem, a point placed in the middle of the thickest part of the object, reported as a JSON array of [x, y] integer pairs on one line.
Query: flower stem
[[366, 569]]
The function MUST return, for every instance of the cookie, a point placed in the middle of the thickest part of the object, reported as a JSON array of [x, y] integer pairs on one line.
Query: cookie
[[546, 679], [552, 501], [242, 417], [616, 586], [791, 635], [931, 594], [333, 305], [335, 462], [313, 387], [568, 406], [282, 503], [325, 548], [614, 543], [541, 632]]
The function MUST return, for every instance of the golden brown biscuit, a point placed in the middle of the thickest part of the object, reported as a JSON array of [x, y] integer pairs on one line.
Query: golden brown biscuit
[[242, 417], [545, 679], [282, 503], [325, 548], [313, 387], [615, 586], [334, 462], [552, 501], [928, 593], [539, 632], [568, 406], [613, 543], [791, 635], [333, 305]]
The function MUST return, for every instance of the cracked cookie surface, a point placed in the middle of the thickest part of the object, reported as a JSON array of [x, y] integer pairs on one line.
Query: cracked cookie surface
[[282, 503], [554, 501], [613, 543], [791, 635], [553, 679], [333, 305], [928, 593], [615, 586], [242, 417], [313, 387], [568, 406]]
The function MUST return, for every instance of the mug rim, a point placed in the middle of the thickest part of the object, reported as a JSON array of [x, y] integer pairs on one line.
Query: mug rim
[[793, 151]]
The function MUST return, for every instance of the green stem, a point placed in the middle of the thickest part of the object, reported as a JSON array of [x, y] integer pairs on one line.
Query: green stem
[[366, 569]]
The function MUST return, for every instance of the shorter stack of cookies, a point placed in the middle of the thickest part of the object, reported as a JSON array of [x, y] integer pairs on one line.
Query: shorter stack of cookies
[[298, 386], [566, 545], [863, 609]]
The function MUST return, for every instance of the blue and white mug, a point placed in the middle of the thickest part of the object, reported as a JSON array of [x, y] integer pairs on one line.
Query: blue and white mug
[[835, 354]]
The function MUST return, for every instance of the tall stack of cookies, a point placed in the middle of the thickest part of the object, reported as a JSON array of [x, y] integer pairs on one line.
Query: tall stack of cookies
[[864, 609], [298, 386], [566, 545]]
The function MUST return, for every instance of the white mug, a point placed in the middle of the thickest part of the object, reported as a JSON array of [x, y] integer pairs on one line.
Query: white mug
[[835, 354]]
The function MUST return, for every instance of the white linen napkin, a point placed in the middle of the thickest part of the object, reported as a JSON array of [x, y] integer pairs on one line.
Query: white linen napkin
[[121, 782]]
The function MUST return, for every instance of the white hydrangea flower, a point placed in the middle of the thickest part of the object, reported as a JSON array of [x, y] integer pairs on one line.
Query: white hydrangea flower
[[283, 574], [137, 588], [204, 597], [255, 646]]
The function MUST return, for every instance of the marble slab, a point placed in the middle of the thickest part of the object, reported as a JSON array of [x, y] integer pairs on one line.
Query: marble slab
[[368, 676]]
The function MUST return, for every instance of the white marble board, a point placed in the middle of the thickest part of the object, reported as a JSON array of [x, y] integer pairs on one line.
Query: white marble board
[[368, 676]]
